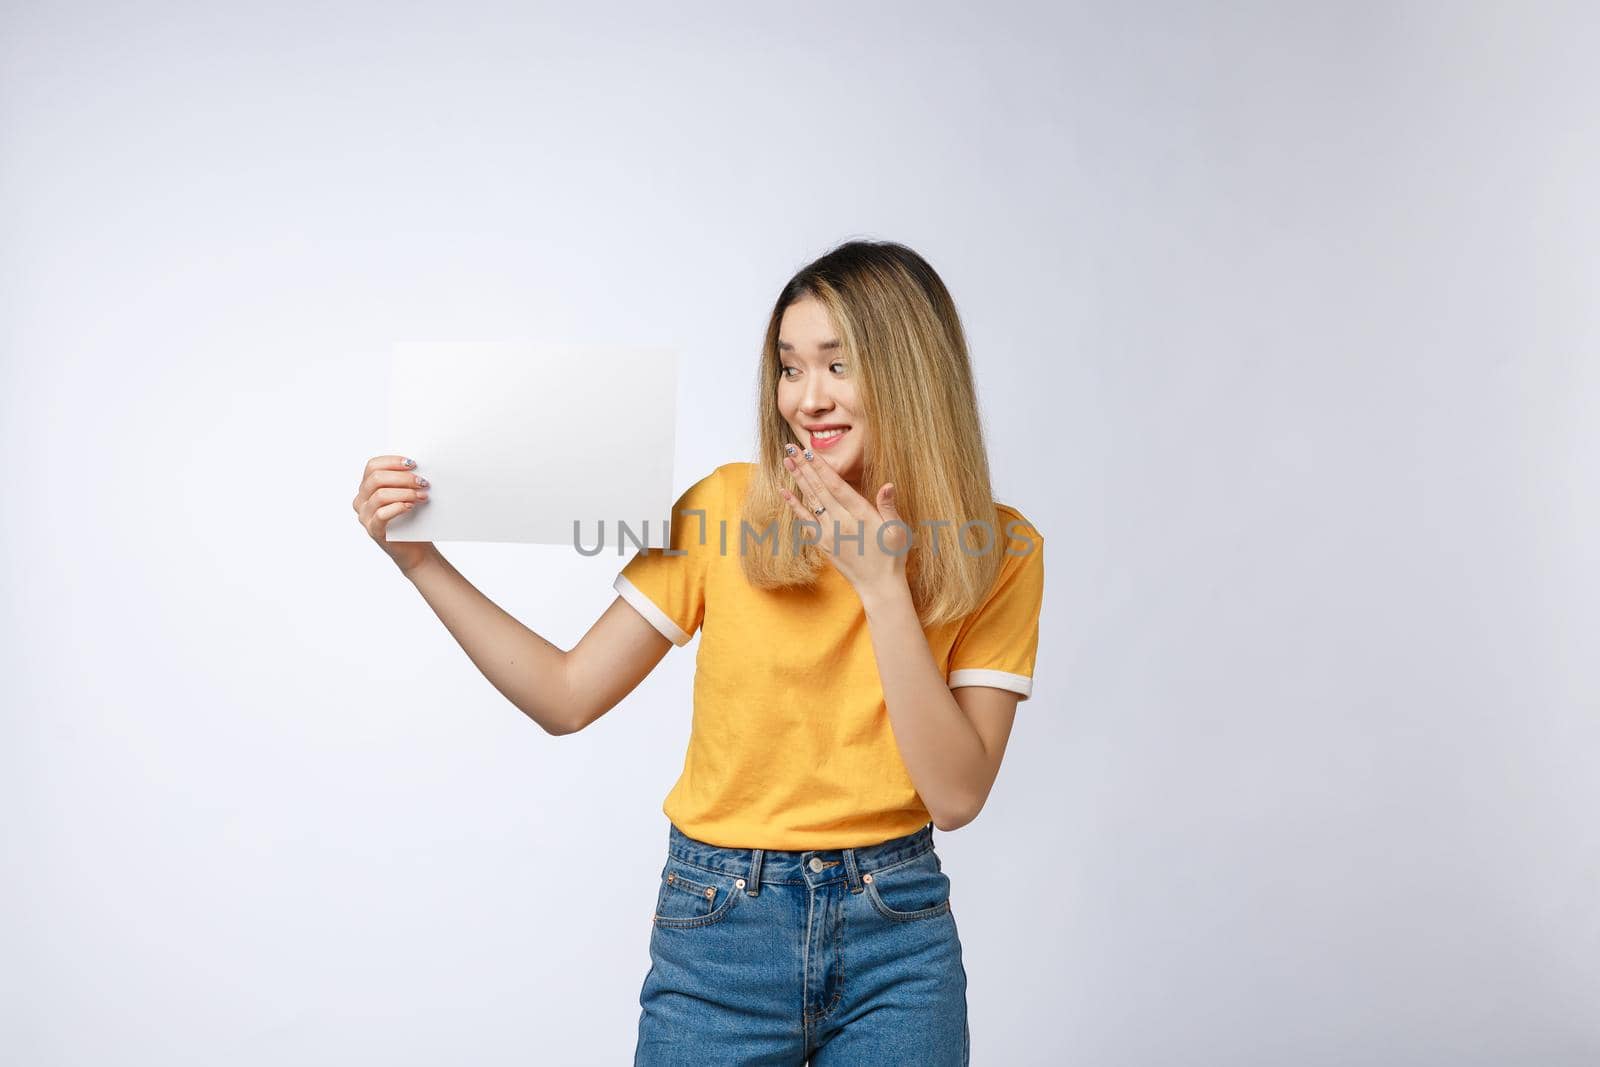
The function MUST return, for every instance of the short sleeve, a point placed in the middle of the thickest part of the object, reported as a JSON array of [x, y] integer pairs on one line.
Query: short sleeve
[[997, 644], [667, 586]]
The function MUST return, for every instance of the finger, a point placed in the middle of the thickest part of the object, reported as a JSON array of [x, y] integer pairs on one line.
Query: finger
[[811, 509], [399, 463], [801, 503], [377, 479], [800, 511], [853, 503], [832, 513], [833, 510], [886, 503], [378, 526], [812, 484], [801, 464], [791, 463], [376, 500], [897, 537]]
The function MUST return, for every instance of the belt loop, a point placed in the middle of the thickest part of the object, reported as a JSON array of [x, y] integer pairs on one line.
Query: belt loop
[[753, 883], [851, 878]]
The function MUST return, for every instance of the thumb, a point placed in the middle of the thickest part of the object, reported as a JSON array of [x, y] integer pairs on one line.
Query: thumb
[[886, 502]]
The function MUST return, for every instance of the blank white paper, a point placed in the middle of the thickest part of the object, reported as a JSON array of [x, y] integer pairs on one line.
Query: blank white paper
[[522, 440]]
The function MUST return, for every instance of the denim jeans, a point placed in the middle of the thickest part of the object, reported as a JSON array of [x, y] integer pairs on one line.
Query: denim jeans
[[835, 957]]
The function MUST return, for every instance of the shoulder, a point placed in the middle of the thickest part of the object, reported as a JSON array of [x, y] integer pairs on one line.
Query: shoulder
[[722, 487], [1022, 564], [721, 476], [730, 480], [736, 474], [1021, 535]]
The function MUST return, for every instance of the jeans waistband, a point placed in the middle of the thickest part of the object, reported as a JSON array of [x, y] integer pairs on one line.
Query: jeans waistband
[[814, 867]]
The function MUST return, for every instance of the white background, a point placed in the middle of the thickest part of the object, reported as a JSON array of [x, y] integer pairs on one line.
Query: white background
[[1285, 326]]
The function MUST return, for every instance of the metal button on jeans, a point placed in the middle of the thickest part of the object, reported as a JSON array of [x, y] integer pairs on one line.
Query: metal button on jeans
[[816, 863]]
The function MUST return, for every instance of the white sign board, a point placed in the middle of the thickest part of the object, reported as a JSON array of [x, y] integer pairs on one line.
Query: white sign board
[[520, 440]]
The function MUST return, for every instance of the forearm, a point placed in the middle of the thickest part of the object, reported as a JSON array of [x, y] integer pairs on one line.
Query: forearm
[[528, 670], [941, 750]]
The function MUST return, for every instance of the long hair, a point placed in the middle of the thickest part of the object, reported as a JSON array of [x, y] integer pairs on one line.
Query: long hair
[[904, 341]]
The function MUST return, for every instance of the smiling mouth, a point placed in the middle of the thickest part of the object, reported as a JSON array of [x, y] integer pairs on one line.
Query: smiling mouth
[[825, 439]]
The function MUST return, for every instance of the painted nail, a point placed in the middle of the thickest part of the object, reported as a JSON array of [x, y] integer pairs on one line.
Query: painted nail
[[789, 448], [422, 481], [410, 463], [808, 453]]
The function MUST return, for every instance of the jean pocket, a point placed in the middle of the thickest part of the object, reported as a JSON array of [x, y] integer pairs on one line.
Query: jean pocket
[[916, 888], [693, 896]]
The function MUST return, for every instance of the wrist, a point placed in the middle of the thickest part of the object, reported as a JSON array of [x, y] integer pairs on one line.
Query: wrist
[[884, 592], [428, 561]]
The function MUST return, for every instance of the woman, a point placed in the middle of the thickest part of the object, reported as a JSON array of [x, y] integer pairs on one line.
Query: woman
[[869, 621]]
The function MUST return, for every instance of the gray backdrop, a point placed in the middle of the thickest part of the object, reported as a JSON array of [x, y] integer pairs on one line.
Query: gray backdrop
[[1284, 320]]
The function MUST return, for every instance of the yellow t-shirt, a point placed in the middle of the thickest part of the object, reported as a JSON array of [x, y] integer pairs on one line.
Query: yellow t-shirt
[[791, 745]]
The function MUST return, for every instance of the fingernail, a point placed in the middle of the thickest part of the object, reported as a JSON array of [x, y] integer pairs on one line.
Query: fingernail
[[422, 481], [808, 453], [410, 462], [789, 448]]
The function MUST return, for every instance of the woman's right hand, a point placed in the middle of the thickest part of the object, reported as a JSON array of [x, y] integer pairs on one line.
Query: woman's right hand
[[389, 486]]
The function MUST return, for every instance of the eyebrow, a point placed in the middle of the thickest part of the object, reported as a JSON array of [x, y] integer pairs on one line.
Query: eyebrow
[[785, 346]]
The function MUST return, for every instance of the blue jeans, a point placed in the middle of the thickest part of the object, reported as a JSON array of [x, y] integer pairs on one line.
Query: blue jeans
[[835, 957]]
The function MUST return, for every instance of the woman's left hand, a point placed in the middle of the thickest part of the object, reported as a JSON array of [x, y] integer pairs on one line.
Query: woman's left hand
[[867, 541]]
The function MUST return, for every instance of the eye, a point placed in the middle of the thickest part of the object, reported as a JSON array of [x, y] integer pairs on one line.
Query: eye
[[783, 372]]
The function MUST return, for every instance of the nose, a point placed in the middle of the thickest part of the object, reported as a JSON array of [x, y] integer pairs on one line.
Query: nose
[[815, 398]]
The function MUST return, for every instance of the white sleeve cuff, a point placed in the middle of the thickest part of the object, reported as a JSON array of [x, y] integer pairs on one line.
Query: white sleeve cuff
[[1015, 683], [652, 614]]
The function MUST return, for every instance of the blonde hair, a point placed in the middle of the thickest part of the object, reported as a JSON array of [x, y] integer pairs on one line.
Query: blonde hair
[[903, 340]]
